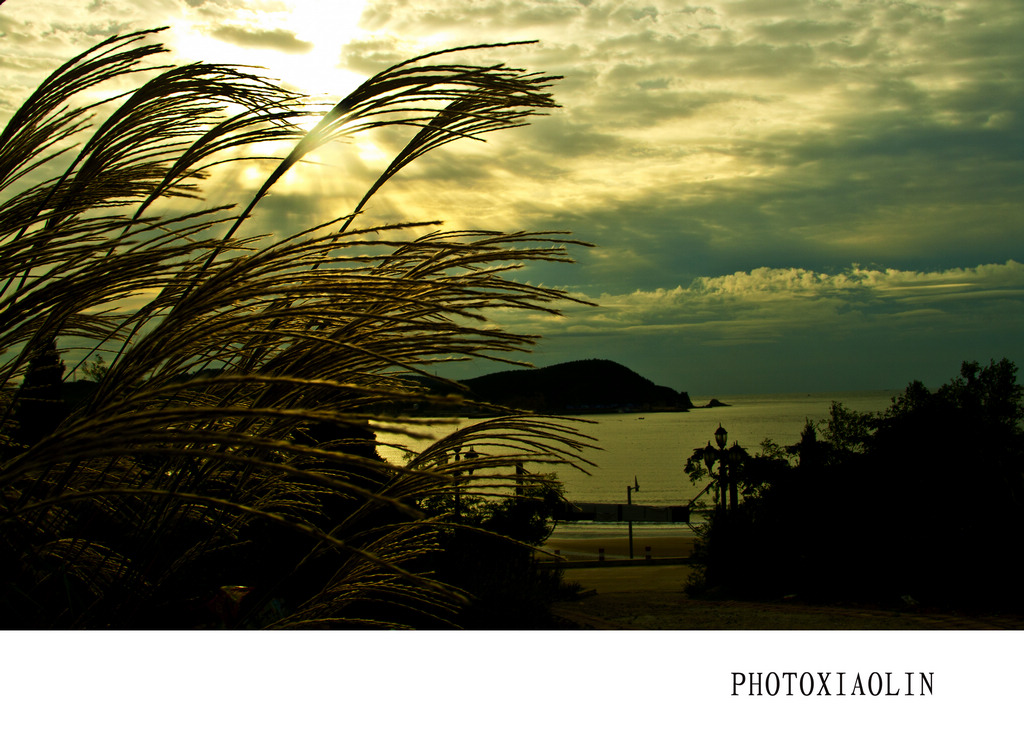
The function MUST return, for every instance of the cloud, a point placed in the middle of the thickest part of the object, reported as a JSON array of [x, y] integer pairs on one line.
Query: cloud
[[806, 134], [791, 329], [701, 140], [274, 39], [771, 304], [831, 149]]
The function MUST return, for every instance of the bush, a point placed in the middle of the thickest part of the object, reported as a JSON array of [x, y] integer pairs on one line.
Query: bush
[[488, 553]]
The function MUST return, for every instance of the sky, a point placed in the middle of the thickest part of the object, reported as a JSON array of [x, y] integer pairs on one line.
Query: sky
[[782, 195]]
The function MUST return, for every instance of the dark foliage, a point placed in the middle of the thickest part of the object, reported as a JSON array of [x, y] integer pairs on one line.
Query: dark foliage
[[489, 555], [919, 505], [506, 589]]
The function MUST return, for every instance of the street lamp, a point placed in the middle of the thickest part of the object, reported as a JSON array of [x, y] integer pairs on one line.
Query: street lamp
[[725, 459]]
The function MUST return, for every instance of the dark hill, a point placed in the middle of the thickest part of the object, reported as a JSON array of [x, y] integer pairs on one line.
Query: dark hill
[[583, 387]]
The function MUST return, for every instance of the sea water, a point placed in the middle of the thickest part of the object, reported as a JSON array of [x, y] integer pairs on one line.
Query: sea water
[[651, 449]]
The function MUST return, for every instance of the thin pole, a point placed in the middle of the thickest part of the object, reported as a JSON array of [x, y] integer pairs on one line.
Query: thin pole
[[723, 473], [629, 513], [458, 491], [733, 493]]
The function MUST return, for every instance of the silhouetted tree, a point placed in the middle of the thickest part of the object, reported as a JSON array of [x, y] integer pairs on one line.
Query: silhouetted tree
[[487, 554], [924, 500]]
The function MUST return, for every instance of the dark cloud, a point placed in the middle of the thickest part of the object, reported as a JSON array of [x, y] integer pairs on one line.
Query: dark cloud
[[217, 8], [554, 138], [368, 56], [494, 16], [272, 39], [803, 31], [636, 106], [757, 8]]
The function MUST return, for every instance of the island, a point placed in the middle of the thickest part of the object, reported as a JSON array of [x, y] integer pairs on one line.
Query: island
[[588, 386]]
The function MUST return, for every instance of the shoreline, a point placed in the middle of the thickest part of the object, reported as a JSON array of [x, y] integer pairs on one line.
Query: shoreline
[[587, 547]]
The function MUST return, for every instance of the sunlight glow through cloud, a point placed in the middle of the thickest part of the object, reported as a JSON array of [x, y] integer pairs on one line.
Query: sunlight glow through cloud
[[297, 41]]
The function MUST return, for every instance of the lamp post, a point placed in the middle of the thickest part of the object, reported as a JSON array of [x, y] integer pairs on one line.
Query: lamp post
[[457, 506], [629, 510], [735, 454], [471, 455], [726, 459], [520, 481]]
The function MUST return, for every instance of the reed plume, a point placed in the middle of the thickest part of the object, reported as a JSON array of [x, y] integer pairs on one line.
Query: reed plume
[[222, 471]]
